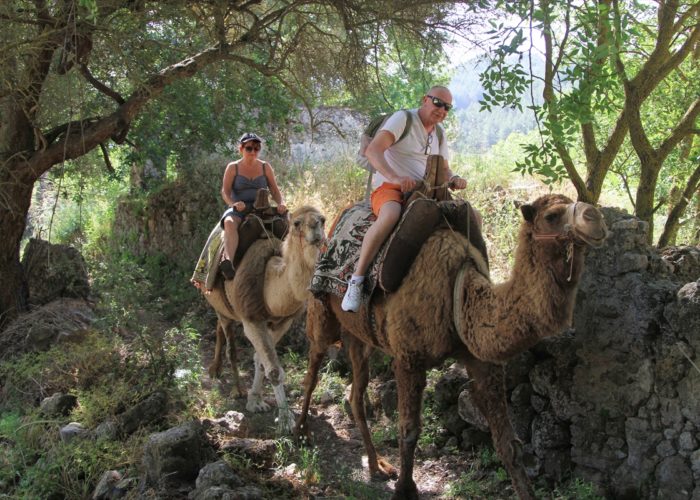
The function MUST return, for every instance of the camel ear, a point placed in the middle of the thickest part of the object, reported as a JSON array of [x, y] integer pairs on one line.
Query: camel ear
[[528, 212]]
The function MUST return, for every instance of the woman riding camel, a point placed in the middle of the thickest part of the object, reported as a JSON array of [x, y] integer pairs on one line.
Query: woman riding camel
[[241, 182]]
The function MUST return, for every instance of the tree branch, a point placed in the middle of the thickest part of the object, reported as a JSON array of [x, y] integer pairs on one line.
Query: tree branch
[[680, 131], [92, 132], [105, 156], [99, 85]]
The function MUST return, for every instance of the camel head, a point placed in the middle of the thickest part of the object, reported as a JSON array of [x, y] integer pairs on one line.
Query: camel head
[[555, 234], [307, 223], [559, 218]]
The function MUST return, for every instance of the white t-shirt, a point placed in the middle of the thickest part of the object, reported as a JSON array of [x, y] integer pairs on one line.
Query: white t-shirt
[[409, 156]]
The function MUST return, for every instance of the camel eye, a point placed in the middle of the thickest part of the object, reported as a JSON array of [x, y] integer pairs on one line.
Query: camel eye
[[551, 217], [322, 220], [297, 223]]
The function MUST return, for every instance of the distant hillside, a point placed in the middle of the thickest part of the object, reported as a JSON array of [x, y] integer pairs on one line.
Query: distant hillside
[[478, 130]]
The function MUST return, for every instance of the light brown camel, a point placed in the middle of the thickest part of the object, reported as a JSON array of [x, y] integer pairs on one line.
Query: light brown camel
[[267, 293], [446, 308]]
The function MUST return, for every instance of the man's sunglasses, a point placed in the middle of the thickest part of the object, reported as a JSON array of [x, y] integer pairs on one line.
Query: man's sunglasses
[[250, 149], [439, 103]]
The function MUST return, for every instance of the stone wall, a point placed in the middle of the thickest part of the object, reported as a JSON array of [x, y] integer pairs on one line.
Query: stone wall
[[616, 400]]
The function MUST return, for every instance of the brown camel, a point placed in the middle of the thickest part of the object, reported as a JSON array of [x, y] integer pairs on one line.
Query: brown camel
[[445, 307], [267, 293]]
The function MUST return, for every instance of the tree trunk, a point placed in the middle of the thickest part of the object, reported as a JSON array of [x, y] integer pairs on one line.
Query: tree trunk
[[16, 198], [644, 202], [696, 223], [668, 236]]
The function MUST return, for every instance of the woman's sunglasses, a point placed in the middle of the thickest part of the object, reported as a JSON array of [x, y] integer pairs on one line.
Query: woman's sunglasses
[[439, 103], [250, 149]]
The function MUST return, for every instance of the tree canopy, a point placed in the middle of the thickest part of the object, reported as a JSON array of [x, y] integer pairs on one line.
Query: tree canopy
[[609, 66]]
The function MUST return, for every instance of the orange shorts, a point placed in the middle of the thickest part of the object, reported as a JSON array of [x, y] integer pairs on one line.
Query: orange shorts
[[386, 192]]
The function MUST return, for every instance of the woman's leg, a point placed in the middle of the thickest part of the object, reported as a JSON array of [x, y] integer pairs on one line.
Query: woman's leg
[[231, 224]]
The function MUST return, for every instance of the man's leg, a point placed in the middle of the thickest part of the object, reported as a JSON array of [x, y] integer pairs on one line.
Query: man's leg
[[377, 234], [389, 214]]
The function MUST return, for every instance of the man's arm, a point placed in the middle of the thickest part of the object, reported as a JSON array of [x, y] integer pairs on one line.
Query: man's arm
[[375, 154]]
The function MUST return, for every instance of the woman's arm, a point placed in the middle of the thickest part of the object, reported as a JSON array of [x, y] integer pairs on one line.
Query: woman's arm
[[274, 190], [227, 184]]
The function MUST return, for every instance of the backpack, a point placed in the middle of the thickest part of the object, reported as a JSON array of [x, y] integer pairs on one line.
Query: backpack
[[375, 125]]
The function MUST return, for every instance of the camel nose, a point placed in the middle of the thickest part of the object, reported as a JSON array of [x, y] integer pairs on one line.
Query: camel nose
[[591, 214]]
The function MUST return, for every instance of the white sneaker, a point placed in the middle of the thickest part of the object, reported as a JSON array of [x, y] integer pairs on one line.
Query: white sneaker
[[353, 297]]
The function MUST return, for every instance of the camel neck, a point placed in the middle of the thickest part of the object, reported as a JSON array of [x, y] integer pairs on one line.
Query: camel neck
[[509, 318]]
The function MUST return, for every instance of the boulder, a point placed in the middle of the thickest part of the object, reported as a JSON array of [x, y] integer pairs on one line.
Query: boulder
[[54, 271], [176, 455]]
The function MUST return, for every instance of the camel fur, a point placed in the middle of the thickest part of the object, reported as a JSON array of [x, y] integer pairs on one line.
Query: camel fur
[[268, 292], [446, 307]]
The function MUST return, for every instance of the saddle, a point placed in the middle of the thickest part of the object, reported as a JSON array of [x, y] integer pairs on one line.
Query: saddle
[[426, 210], [262, 222]]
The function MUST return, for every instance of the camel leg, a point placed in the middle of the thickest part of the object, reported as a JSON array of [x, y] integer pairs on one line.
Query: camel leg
[[237, 390], [255, 402], [262, 341], [359, 357], [322, 329], [410, 382], [215, 366], [489, 395], [285, 417]]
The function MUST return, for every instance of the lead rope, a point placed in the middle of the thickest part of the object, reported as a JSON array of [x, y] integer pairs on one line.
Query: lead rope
[[570, 257]]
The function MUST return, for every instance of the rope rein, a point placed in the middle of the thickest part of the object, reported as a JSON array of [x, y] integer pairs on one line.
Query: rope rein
[[567, 235]]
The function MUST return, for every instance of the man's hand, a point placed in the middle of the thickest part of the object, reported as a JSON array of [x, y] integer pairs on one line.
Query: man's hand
[[281, 208], [407, 184], [456, 182]]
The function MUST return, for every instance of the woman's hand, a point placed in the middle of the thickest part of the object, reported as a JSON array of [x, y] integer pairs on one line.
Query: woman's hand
[[281, 208], [239, 206]]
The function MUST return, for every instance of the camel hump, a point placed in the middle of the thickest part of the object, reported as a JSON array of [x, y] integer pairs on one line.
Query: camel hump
[[246, 293]]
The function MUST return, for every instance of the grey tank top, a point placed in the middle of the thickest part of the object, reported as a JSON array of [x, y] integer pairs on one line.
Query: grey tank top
[[245, 189]]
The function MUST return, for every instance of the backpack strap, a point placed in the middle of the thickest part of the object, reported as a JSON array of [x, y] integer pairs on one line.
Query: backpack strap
[[407, 127]]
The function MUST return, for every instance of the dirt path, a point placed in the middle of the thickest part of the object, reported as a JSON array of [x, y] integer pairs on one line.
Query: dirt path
[[339, 451]]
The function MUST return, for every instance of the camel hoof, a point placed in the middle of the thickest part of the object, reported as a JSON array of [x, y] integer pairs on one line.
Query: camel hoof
[[214, 372], [385, 470], [285, 421], [238, 392], [405, 493], [256, 404]]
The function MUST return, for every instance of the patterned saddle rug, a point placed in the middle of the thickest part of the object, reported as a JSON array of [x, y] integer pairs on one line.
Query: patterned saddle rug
[[420, 218]]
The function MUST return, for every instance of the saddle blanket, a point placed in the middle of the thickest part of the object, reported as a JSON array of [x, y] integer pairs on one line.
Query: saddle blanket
[[208, 263], [337, 262]]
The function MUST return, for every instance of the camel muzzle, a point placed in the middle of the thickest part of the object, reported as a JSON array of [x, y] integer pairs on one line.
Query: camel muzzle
[[588, 225]]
